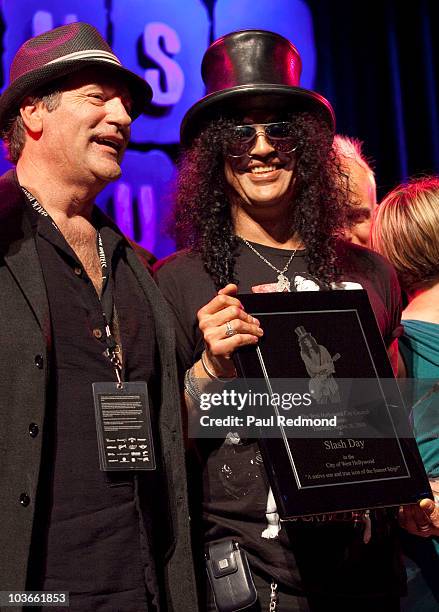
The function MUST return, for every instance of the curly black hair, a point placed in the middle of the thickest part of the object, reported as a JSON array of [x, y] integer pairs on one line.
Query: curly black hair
[[202, 217]]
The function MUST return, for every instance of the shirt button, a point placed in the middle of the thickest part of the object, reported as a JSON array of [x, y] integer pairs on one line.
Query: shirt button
[[97, 333], [78, 271], [33, 430], [24, 499], [39, 361]]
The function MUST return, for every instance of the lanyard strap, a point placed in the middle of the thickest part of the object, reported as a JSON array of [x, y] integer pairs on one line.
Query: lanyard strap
[[107, 302], [107, 297]]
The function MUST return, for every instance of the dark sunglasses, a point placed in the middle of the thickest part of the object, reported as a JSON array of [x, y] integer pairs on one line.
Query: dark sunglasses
[[243, 137]]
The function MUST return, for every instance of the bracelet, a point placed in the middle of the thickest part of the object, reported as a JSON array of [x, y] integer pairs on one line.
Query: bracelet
[[191, 386], [211, 374]]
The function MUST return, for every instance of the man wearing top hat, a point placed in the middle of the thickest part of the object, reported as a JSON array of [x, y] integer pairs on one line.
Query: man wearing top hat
[[261, 201], [87, 373], [319, 365]]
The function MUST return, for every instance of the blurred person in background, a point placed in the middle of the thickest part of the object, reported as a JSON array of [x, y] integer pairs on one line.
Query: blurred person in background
[[406, 231], [362, 187]]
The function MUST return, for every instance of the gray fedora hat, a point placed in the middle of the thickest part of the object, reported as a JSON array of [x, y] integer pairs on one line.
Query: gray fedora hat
[[251, 69], [58, 53]]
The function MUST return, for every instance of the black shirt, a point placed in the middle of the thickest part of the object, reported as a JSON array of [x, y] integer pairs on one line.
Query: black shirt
[[232, 478], [92, 540]]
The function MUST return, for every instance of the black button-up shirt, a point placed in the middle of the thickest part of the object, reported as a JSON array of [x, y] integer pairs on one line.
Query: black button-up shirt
[[90, 538]]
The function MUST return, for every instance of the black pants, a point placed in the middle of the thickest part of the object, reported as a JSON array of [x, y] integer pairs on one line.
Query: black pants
[[289, 601]]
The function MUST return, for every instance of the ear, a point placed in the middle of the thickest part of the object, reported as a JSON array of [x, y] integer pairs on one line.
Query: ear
[[32, 114]]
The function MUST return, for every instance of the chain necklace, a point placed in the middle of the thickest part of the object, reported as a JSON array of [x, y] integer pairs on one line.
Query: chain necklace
[[283, 283], [272, 606]]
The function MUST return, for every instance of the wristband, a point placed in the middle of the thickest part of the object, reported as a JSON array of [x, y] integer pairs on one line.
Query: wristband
[[211, 374], [191, 386]]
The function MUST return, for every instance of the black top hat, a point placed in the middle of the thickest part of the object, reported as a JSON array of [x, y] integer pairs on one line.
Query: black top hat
[[252, 69], [58, 53]]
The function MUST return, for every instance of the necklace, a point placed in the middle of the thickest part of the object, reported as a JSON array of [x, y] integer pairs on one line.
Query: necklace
[[283, 283]]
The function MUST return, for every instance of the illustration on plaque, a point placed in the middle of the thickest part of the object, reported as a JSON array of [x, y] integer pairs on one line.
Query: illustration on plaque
[[320, 367]]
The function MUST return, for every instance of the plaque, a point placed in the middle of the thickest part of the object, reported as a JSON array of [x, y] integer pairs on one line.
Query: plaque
[[348, 445]]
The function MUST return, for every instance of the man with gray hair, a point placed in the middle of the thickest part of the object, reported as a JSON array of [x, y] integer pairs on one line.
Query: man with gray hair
[[92, 478], [362, 188]]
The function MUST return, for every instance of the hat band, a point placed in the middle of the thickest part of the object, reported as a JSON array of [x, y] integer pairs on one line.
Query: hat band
[[104, 56]]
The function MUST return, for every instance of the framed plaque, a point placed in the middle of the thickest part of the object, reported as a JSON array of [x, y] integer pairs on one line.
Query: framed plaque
[[347, 445]]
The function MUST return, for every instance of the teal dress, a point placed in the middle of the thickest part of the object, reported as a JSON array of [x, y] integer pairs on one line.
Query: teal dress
[[420, 350], [419, 347]]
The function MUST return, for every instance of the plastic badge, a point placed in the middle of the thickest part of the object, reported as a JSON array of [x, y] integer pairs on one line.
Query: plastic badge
[[123, 424]]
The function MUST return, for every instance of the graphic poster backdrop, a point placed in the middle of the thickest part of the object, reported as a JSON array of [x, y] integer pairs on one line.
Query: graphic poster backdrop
[[291, 18], [163, 41]]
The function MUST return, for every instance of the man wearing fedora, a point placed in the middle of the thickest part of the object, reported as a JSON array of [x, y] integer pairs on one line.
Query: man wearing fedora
[[93, 492], [261, 201]]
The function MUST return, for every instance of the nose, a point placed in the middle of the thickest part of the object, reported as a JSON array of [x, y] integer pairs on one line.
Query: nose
[[117, 112], [262, 145]]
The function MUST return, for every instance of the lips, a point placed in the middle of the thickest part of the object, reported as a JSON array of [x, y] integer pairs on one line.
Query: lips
[[262, 169], [261, 172], [114, 142]]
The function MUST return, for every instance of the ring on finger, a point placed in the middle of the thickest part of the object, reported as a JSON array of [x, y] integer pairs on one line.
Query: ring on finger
[[229, 329]]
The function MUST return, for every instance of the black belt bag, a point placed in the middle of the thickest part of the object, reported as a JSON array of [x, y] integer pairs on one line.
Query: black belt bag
[[230, 577]]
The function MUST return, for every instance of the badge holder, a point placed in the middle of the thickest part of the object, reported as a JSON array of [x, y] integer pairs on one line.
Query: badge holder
[[123, 421]]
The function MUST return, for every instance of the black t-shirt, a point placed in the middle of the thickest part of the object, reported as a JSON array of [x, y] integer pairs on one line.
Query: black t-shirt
[[232, 486]]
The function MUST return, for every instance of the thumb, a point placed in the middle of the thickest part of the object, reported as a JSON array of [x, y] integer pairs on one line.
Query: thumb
[[230, 289], [428, 506]]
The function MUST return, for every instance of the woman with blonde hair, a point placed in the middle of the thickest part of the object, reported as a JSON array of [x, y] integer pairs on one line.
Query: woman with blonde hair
[[406, 231]]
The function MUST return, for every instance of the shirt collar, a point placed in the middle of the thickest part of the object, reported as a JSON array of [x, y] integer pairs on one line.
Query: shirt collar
[[41, 221]]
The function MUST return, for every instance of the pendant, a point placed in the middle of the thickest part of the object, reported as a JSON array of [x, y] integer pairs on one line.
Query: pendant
[[283, 284]]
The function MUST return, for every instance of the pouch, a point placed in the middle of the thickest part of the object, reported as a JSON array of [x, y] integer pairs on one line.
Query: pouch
[[230, 576]]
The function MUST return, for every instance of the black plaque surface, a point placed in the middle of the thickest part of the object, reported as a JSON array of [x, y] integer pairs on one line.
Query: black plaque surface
[[371, 458]]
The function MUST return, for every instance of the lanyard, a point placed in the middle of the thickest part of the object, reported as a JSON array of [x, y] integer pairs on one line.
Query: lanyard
[[107, 299], [107, 302]]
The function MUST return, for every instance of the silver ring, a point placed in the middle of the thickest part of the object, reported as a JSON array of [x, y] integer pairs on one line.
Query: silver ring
[[229, 329]]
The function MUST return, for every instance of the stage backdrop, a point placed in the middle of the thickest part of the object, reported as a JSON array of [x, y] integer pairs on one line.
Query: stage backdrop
[[163, 41]]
